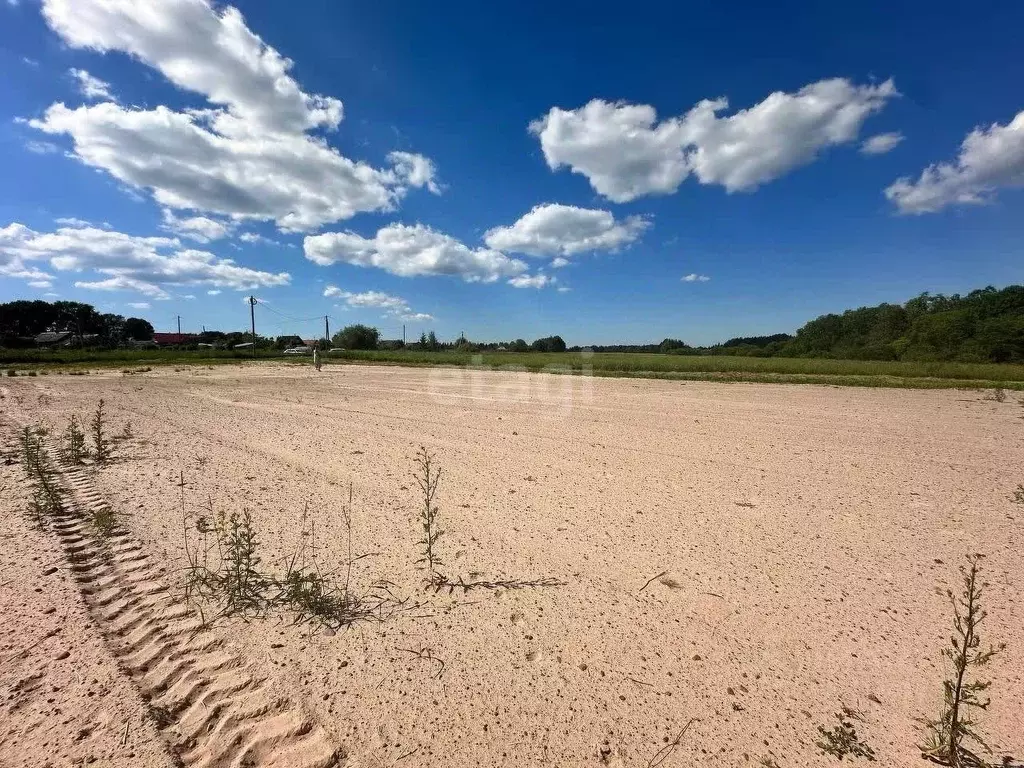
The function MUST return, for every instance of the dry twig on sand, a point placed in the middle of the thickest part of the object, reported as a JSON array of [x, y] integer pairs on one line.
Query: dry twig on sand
[[665, 752]]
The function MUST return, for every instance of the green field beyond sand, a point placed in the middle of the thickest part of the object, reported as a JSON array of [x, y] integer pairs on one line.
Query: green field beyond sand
[[685, 367]]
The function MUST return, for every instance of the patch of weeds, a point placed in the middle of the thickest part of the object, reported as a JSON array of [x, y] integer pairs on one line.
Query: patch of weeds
[[101, 446], [104, 520], [842, 740], [11, 372], [225, 569], [32, 373], [946, 735], [997, 395]]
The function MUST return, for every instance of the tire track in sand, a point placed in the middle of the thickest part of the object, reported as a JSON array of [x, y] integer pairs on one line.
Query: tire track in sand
[[211, 710]]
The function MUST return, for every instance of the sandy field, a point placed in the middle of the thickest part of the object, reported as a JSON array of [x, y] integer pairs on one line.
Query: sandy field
[[740, 557]]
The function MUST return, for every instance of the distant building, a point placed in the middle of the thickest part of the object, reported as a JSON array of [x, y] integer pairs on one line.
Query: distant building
[[53, 338], [173, 339], [66, 339]]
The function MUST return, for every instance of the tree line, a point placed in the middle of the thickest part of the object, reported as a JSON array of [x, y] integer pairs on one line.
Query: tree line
[[985, 325], [22, 321]]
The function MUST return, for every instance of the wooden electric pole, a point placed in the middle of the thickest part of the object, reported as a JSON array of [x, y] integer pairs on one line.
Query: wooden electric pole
[[252, 316]]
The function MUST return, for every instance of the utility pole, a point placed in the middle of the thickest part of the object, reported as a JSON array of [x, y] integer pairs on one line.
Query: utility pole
[[252, 316], [403, 334], [327, 329], [179, 325]]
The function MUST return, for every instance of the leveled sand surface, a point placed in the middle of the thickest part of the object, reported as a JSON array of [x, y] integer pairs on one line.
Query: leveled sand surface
[[805, 537]]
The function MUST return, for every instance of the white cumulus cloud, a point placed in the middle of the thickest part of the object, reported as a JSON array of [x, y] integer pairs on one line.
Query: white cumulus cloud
[[148, 265], [540, 280], [199, 228], [139, 304], [559, 230], [91, 86], [990, 159], [626, 153], [881, 143], [410, 251], [392, 306], [251, 154], [693, 277]]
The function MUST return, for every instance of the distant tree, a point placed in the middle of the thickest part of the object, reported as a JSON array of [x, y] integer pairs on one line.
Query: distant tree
[[432, 343], [137, 329], [357, 337], [285, 342], [26, 318], [548, 344], [77, 317], [667, 345], [519, 345]]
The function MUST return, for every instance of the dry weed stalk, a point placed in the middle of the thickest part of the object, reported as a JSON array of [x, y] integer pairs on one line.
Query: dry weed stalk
[[428, 477], [947, 734]]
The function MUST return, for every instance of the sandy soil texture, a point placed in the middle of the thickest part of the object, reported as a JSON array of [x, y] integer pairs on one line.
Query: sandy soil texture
[[801, 540]]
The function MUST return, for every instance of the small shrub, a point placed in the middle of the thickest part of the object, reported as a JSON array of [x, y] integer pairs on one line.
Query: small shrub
[[47, 497], [31, 449], [11, 372], [842, 740], [31, 373], [946, 735], [74, 450], [36, 512], [101, 447], [244, 586]]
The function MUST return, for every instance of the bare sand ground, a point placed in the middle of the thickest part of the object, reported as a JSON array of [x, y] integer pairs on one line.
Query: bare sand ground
[[808, 535]]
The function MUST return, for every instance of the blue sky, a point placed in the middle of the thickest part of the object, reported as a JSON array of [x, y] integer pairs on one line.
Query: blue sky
[[508, 170]]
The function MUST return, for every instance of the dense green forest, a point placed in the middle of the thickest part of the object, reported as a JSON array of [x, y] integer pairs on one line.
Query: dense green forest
[[986, 325]]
